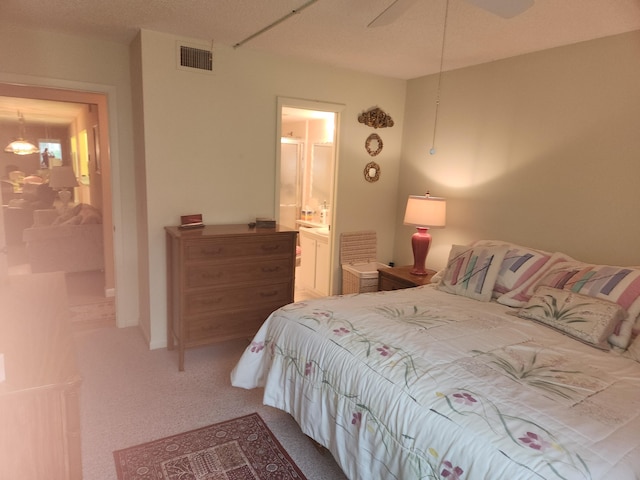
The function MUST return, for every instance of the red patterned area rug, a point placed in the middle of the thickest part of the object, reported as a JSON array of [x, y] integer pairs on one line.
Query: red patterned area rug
[[240, 449]]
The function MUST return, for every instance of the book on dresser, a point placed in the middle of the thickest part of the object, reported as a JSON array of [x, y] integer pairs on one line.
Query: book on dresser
[[223, 281]]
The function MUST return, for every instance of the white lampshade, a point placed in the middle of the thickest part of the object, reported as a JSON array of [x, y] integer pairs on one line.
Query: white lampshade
[[62, 177], [20, 146], [426, 211]]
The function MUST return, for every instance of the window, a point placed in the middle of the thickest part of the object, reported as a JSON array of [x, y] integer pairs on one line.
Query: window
[[50, 152]]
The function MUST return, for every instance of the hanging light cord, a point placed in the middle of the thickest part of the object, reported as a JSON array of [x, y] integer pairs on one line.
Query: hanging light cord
[[435, 121]]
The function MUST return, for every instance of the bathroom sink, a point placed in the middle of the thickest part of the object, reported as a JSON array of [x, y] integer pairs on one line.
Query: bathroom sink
[[319, 231]]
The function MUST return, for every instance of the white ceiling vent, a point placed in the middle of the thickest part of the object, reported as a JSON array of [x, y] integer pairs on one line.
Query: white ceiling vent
[[194, 58]]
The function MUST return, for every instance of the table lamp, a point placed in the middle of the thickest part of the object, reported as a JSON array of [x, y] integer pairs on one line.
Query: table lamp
[[423, 212], [63, 179]]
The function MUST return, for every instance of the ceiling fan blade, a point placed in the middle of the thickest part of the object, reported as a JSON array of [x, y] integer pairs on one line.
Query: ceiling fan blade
[[391, 13], [503, 8]]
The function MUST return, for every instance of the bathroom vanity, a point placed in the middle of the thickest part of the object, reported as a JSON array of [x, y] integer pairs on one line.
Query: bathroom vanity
[[315, 260]]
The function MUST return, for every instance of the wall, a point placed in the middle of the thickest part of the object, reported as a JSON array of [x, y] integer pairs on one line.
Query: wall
[[86, 122], [210, 146], [541, 149]]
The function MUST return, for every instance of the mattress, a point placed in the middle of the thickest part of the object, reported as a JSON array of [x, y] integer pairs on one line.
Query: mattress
[[420, 383]]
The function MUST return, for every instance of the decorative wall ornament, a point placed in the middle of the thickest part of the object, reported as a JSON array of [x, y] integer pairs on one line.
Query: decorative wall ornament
[[372, 172], [376, 118], [373, 144]]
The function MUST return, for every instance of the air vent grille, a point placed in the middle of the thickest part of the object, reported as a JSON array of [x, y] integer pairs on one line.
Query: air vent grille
[[197, 58]]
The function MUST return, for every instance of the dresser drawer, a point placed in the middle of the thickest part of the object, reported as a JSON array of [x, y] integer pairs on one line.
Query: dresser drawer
[[218, 274], [203, 249], [216, 299], [227, 325]]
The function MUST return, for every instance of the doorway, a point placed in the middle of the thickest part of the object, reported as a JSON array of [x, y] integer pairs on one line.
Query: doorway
[[78, 123], [307, 146]]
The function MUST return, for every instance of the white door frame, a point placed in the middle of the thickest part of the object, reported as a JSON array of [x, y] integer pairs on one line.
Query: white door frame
[[304, 104], [118, 243]]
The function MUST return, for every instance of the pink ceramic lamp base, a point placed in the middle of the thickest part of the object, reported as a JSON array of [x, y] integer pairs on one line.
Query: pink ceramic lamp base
[[420, 242]]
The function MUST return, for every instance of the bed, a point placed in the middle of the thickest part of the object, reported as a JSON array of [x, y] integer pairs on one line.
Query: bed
[[514, 364]]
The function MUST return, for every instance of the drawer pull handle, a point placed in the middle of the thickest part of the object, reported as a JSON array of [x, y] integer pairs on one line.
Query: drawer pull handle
[[210, 301], [270, 248], [208, 276], [272, 293], [211, 251], [270, 269]]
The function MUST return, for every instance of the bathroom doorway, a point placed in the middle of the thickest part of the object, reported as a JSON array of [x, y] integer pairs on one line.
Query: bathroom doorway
[[307, 149]]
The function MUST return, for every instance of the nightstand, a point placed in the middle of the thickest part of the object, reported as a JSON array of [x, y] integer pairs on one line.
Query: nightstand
[[396, 278]]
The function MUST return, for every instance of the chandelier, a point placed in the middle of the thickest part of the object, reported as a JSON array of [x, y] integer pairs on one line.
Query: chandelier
[[20, 146]]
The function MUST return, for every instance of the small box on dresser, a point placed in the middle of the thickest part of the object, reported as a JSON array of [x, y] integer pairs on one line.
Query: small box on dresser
[[223, 281]]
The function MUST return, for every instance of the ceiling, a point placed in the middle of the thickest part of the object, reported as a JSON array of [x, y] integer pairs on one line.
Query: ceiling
[[334, 32], [38, 111]]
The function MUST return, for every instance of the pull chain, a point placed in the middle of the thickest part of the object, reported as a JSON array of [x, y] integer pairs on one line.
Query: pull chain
[[432, 151]]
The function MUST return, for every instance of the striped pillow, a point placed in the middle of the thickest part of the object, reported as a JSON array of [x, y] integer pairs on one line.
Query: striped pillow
[[519, 265], [472, 271], [520, 295]]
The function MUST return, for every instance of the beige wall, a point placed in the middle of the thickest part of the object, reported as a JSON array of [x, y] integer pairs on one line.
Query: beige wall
[[210, 146], [541, 149]]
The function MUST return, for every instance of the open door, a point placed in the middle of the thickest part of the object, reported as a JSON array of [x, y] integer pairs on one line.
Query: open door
[[4, 265], [94, 175], [307, 147]]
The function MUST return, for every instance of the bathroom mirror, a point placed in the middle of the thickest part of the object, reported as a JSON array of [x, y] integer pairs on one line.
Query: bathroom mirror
[[372, 172]]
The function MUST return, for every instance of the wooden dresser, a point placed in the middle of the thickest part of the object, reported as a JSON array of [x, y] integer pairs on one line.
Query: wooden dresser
[[39, 400], [223, 281]]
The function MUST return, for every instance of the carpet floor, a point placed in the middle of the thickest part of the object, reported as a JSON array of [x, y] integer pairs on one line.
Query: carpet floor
[[131, 395], [239, 449]]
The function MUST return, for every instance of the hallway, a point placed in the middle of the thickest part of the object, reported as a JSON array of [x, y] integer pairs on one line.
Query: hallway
[[88, 305]]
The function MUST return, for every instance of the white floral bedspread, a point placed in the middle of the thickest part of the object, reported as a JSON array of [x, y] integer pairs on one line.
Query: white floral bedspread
[[421, 384]]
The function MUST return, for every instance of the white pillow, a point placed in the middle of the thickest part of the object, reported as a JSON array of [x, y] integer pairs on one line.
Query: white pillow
[[612, 283], [585, 318], [472, 271], [633, 352]]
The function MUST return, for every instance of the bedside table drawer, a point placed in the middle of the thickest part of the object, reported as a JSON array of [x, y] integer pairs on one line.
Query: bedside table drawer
[[386, 283], [397, 278]]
